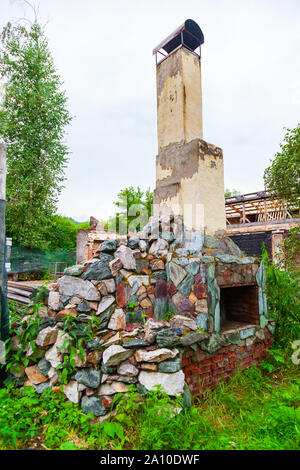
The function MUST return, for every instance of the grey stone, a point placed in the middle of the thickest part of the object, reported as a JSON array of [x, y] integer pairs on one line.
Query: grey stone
[[83, 307], [193, 268], [246, 333], [109, 370], [88, 377], [135, 343], [191, 338], [115, 354], [159, 248], [93, 405], [170, 366], [177, 273], [160, 308], [126, 368], [69, 285], [93, 344], [168, 236], [185, 286], [136, 316], [213, 343], [127, 380], [167, 338], [233, 338], [159, 276], [105, 303], [125, 254], [263, 321], [211, 242], [75, 270], [172, 384], [187, 397], [41, 387], [133, 242], [233, 248], [183, 322], [99, 269], [54, 300], [108, 246], [105, 317], [271, 329], [202, 321], [44, 366]]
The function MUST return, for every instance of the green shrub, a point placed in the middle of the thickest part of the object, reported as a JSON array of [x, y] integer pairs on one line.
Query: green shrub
[[283, 302]]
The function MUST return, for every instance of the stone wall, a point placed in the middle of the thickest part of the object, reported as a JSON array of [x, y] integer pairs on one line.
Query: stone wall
[[141, 309]]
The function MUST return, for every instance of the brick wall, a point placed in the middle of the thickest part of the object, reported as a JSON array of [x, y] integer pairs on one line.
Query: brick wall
[[203, 370]]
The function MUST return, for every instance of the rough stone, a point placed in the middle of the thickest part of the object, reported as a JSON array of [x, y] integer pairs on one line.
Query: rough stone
[[152, 327], [93, 405], [133, 242], [202, 321], [263, 321], [46, 337], [34, 375], [54, 300], [71, 391], [157, 355], [105, 317], [161, 308], [44, 366], [114, 387], [246, 333], [172, 384], [83, 307], [41, 387], [135, 316], [192, 338], [62, 345], [88, 377], [167, 338], [135, 343], [125, 254], [117, 320], [177, 273], [105, 303], [108, 246], [193, 268], [126, 368], [75, 270], [115, 265], [159, 248], [171, 366], [168, 236], [69, 286], [183, 322], [115, 354]]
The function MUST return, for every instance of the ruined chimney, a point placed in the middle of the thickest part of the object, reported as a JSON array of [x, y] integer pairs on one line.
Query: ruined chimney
[[189, 171]]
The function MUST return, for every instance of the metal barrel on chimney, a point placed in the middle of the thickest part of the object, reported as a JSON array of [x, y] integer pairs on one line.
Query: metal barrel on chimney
[[189, 35]]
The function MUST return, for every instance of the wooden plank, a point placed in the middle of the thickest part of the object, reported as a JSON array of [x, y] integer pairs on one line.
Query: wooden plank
[[18, 285], [22, 292], [18, 298]]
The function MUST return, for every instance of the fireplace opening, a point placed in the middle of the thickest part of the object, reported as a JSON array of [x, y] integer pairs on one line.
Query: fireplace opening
[[238, 306]]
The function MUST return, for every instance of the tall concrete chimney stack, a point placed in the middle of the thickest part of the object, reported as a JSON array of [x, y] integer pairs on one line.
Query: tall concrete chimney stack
[[189, 171]]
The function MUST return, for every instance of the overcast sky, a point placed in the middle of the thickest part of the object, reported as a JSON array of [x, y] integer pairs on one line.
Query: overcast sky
[[103, 52]]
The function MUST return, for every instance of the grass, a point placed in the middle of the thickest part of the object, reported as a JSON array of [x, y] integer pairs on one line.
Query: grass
[[256, 410]]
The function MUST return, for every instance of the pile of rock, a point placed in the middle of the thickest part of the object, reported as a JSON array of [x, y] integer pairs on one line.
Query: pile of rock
[[136, 305]]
